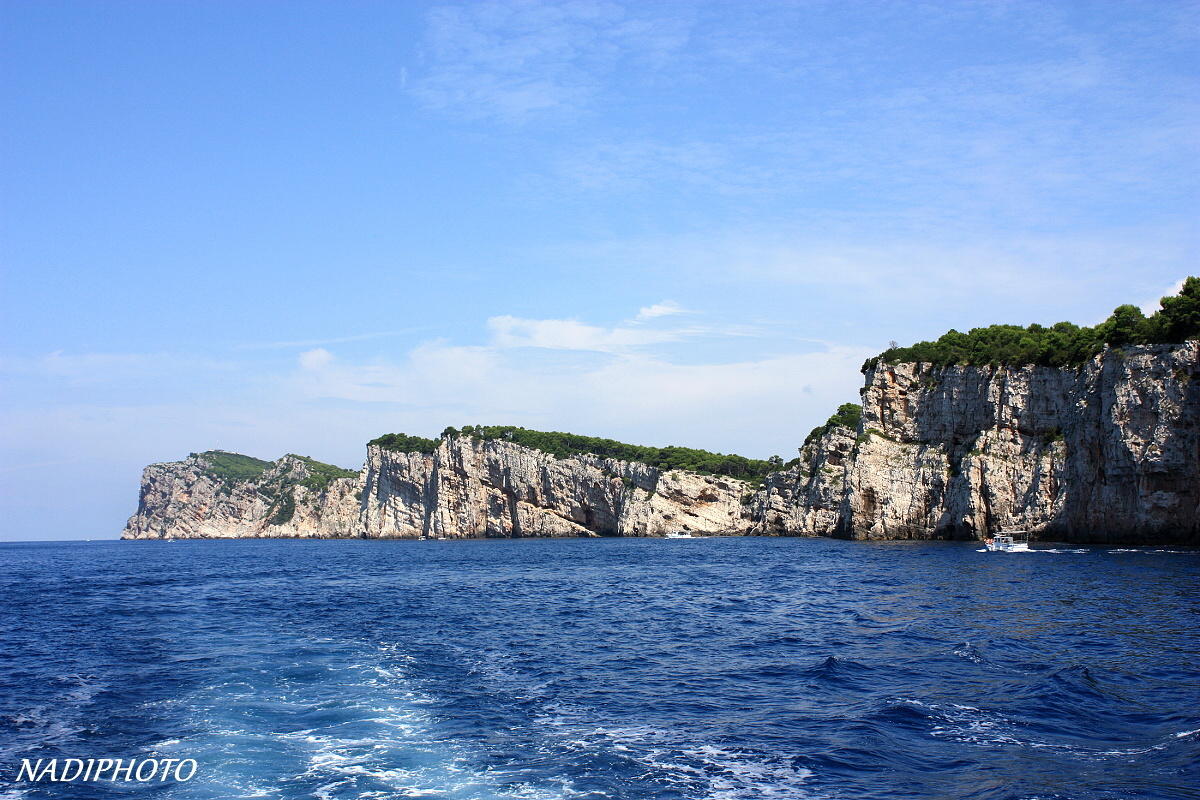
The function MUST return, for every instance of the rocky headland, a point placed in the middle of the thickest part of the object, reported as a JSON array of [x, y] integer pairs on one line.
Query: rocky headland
[[1075, 434], [1106, 451], [1109, 452]]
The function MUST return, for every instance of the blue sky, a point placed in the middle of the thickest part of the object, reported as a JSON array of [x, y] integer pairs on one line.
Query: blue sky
[[292, 227]]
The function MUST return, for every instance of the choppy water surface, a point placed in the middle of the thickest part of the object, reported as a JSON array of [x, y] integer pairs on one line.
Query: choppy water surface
[[707, 668]]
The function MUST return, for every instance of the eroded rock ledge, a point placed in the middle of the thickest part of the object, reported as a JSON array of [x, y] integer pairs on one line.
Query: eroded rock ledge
[[1108, 452]]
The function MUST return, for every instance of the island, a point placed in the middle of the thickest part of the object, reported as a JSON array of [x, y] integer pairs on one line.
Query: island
[[1075, 434]]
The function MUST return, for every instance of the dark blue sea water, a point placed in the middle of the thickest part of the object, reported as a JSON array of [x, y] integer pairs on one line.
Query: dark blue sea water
[[706, 668]]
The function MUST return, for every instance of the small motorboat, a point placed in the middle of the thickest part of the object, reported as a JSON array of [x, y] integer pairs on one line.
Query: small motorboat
[[679, 535], [1009, 542]]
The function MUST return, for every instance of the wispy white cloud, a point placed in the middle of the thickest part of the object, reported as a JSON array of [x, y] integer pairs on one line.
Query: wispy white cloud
[[518, 59], [569, 334], [1150, 306], [627, 381], [358, 337], [863, 281], [316, 358], [664, 309], [88, 369], [1071, 126], [755, 404]]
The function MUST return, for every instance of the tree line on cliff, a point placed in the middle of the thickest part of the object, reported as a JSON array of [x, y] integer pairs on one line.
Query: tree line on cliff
[[565, 445], [1063, 344]]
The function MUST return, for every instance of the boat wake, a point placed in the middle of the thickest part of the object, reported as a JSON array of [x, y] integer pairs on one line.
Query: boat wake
[[330, 720]]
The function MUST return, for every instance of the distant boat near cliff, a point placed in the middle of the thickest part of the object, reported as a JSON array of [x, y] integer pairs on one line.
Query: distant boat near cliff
[[1009, 542]]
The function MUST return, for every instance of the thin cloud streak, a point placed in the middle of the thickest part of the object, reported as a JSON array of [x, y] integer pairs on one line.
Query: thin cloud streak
[[663, 309], [525, 59], [361, 337], [567, 334]]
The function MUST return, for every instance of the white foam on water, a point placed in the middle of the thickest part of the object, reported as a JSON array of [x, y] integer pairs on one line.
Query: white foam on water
[[1152, 550], [965, 650], [374, 737], [975, 726], [89, 686], [1104, 550], [1054, 550], [58, 722], [697, 770], [732, 774]]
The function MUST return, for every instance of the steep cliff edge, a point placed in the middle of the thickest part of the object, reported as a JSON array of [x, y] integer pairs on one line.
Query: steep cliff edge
[[218, 495], [470, 487], [1105, 452], [465, 488]]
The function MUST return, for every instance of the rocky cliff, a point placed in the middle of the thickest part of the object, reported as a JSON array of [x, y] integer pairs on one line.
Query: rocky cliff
[[198, 499], [465, 488], [1108, 452]]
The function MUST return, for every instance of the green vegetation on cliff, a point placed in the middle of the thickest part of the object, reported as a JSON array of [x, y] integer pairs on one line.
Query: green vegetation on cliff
[[565, 445], [322, 474], [847, 416], [403, 443], [1062, 344], [232, 467]]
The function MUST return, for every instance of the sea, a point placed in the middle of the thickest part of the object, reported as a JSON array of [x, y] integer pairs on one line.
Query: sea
[[590, 669]]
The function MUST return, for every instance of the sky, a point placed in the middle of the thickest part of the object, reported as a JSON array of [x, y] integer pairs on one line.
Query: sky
[[274, 227]]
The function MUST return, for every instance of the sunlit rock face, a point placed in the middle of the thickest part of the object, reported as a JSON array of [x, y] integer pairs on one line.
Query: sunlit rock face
[[467, 488], [1107, 452], [473, 488], [185, 500]]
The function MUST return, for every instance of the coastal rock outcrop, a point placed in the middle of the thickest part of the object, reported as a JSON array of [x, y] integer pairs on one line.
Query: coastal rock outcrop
[[1106, 452], [199, 498], [466, 488]]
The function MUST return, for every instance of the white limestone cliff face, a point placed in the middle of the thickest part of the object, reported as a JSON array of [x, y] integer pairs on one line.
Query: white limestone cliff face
[[808, 500], [186, 500], [1108, 452], [470, 488], [467, 488]]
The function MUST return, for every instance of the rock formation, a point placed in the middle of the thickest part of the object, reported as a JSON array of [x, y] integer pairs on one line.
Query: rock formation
[[192, 500], [1108, 452], [465, 488]]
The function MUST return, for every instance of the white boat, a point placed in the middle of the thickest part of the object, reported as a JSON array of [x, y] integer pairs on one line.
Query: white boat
[[679, 536], [1009, 542]]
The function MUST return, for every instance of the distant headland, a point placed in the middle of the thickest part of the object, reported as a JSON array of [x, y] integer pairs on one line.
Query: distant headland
[[1073, 433]]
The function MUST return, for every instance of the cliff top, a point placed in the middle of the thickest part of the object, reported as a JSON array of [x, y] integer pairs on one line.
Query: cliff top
[[1060, 345], [565, 445], [232, 468]]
